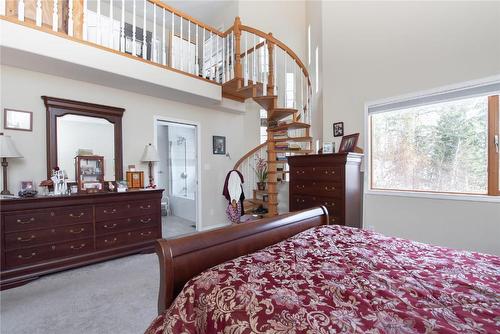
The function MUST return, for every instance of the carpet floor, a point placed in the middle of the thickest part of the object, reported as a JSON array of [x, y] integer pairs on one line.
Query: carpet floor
[[117, 296]]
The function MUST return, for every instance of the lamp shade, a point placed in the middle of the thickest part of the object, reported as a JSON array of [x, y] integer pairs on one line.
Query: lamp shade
[[7, 148], [150, 154]]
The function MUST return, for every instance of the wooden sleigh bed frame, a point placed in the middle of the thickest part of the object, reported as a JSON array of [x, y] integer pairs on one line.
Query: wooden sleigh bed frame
[[185, 257]]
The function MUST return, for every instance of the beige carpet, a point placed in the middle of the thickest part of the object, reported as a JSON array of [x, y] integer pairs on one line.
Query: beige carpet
[[117, 296]]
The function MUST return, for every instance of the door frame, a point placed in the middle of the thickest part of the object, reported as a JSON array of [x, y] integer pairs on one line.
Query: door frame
[[157, 119]]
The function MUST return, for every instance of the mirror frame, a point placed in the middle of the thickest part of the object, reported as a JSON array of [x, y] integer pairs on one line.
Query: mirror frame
[[57, 107]]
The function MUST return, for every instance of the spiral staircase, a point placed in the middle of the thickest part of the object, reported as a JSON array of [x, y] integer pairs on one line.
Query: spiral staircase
[[268, 72]]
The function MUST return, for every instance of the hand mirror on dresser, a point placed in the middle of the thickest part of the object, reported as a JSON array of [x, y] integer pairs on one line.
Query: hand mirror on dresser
[[47, 234]]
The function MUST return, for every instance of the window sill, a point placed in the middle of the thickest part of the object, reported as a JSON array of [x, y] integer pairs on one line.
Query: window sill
[[436, 196]]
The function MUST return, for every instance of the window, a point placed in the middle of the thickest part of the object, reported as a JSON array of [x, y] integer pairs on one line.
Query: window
[[436, 144], [309, 44], [317, 69], [289, 91]]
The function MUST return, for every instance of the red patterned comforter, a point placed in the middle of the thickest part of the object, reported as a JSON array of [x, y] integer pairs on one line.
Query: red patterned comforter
[[334, 279]]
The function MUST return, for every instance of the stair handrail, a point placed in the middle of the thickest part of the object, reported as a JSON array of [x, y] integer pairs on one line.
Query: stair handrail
[[249, 154]]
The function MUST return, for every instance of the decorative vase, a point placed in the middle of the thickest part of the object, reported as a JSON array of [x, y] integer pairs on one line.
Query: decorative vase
[[261, 185]]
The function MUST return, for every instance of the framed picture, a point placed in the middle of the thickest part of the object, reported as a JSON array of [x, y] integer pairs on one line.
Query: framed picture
[[26, 185], [338, 129], [348, 143], [219, 144], [328, 148], [18, 120]]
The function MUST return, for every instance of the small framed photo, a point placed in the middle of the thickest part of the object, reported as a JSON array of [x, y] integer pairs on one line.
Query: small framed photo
[[219, 144], [328, 148], [348, 143], [18, 120], [338, 129], [27, 185]]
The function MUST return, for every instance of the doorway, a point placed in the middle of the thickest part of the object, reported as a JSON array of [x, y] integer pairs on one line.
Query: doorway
[[177, 173]]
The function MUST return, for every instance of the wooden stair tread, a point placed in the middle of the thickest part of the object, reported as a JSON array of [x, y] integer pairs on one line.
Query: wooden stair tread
[[290, 126], [280, 113], [295, 139], [291, 151], [267, 102], [277, 162], [251, 90]]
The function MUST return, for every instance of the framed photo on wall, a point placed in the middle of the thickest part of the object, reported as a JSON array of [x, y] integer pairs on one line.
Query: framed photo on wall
[[338, 129], [219, 144], [18, 120]]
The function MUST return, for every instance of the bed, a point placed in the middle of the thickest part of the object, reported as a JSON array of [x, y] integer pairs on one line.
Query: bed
[[295, 274]]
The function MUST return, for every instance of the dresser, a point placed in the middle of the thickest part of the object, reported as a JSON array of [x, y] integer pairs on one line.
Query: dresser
[[330, 180], [43, 235]]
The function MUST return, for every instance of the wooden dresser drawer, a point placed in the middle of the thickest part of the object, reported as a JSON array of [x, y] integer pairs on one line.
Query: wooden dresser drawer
[[326, 189], [72, 215], [125, 224], [317, 173], [24, 239], [126, 238], [112, 211], [26, 256], [301, 202], [27, 220], [141, 208]]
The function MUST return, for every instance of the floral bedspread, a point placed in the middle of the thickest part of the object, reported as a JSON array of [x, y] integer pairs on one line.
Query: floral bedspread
[[334, 279]]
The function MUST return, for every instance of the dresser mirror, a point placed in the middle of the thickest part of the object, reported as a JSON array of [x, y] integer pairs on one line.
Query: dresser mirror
[[78, 128]]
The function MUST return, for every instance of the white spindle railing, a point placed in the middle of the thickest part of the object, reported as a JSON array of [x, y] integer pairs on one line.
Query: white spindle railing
[[247, 168]]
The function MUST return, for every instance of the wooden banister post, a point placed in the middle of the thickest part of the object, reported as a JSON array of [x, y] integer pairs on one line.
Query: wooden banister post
[[238, 71], [270, 77], [78, 18]]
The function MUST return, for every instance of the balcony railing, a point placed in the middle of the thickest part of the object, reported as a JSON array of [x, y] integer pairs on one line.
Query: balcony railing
[[157, 33]]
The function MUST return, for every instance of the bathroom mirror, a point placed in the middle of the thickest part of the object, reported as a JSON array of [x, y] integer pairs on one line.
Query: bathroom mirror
[[76, 127]]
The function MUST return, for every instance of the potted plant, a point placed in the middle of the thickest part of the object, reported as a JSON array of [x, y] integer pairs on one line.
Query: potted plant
[[261, 172]]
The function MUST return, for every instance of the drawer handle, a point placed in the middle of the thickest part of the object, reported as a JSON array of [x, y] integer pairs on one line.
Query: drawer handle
[[112, 241], [300, 186], [331, 172], [145, 221], [26, 239], [145, 207], [145, 234], [331, 188], [76, 216], [77, 232], [332, 219], [299, 172], [20, 256], [77, 247], [109, 226], [27, 221], [109, 212], [330, 204]]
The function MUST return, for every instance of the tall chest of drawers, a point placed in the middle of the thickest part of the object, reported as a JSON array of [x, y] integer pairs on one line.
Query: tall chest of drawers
[[48, 234], [331, 180]]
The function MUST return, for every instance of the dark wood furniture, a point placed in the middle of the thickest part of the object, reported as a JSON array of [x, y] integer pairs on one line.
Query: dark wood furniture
[[57, 107], [89, 173], [333, 180], [183, 258], [47, 234]]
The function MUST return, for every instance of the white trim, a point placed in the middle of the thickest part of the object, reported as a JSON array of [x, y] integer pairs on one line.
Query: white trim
[[430, 92], [156, 120], [435, 91], [434, 196]]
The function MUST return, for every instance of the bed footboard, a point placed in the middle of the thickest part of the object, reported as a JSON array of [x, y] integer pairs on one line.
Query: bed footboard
[[185, 257]]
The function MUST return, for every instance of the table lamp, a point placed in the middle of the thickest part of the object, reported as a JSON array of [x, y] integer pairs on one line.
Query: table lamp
[[7, 150], [150, 155]]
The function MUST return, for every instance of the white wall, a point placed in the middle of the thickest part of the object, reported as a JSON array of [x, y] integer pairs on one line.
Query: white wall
[[376, 50], [21, 89]]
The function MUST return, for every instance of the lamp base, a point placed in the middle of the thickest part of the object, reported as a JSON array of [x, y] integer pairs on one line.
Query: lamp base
[[5, 191], [151, 179]]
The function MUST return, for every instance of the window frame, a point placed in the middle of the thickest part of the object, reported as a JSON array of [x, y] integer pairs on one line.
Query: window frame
[[493, 174], [493, 149]]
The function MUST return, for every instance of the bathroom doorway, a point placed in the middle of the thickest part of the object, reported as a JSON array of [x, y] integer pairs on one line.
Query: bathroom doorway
[[177, 173]]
